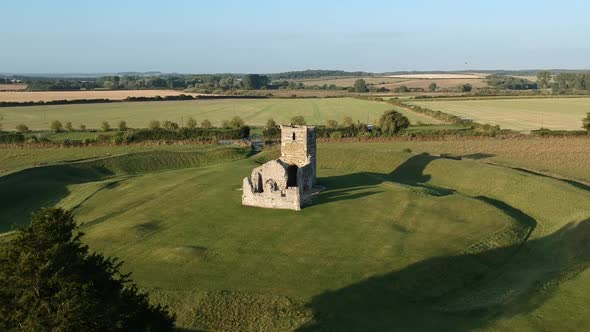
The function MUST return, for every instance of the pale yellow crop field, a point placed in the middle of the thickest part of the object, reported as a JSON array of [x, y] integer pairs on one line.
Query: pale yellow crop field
[[519, 114], [23, 96]]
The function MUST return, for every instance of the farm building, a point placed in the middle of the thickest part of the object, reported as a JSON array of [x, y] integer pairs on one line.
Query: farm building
[[287, 182]]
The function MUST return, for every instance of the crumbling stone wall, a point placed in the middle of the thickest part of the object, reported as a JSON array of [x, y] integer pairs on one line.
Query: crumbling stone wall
[[285, 183]]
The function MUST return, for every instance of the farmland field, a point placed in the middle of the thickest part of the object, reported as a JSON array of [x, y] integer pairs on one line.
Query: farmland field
[[253, 111], [412, 81], [398, 240], [11, 87], [23, 96], [520, 114]]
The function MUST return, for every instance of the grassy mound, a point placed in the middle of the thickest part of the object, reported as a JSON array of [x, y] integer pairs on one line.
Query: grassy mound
[[397, 241], [29, 189]]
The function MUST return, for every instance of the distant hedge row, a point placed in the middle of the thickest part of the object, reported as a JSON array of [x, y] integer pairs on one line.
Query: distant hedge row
[[11, 138], [198, 134]]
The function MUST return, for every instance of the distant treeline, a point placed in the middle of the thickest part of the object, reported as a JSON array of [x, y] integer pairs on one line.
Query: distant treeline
[[127, 82], [307, 74], [510, 83]]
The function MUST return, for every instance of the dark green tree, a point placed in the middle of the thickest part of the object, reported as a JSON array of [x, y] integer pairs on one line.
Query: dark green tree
[[154, 124], [360, 86], [347, 121], [122, 126], [191, 123], [466, 87], [393, 122], [432, 87], [50, 281], [298, 120], [270, 123], [586, 123], [22, 128], [255, 81], [236, 122], [544, 79], [332, 124], [105, 126], [206, 124], [56, 126]]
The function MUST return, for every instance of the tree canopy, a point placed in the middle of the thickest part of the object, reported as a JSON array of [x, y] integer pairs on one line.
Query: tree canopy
[[393, 122], [49, 280]]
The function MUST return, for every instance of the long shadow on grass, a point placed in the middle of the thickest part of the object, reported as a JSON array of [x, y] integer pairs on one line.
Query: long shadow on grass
[[24, 192], [462, 292], [457, 293]]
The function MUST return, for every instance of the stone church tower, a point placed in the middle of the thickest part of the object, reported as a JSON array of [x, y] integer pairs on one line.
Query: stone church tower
[[287, 182]]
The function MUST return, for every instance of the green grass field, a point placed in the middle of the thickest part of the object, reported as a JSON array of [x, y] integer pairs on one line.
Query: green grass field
[[253, 111], [398, 240], [520, 114]]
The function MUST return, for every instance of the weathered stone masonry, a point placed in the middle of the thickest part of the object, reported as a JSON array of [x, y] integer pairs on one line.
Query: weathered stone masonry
[[287, 182]]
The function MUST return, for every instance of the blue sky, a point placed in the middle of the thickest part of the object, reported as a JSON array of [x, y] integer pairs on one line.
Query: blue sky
[[271, 36]]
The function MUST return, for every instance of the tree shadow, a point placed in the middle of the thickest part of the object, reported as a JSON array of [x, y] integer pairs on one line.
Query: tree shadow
[[26, 191], [460, 292], [457, 293], [478, 156]]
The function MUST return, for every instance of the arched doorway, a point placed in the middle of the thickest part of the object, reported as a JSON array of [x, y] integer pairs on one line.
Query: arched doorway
[[292, 175]]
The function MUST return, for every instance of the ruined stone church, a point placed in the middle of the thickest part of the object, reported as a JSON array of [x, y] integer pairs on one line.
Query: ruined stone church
[[287, 182]]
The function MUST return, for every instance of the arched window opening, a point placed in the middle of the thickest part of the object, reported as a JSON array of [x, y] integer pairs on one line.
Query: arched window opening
[[293, 136]]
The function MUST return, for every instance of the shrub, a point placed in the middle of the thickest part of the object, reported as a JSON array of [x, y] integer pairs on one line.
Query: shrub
[[331, 124], [154, 124], [298, 120], [191, 123], [122, 126], [22, 128], [347, 121], [393, 122], [56, 126], [69, 126], [586, 123], [169, 125], [83, 127], [336, 135], [11, 138], [206, 124], [49, 280], [270, 123], [105, 126], [236, 122]]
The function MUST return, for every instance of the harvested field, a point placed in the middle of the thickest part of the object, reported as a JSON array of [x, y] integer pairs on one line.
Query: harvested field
[[22, 96], [12, 87], [438, 76], [518, 114], [349, 81], [441, 83]]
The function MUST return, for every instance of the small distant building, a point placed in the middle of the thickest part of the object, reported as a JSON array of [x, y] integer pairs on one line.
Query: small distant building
[[287, 182]]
